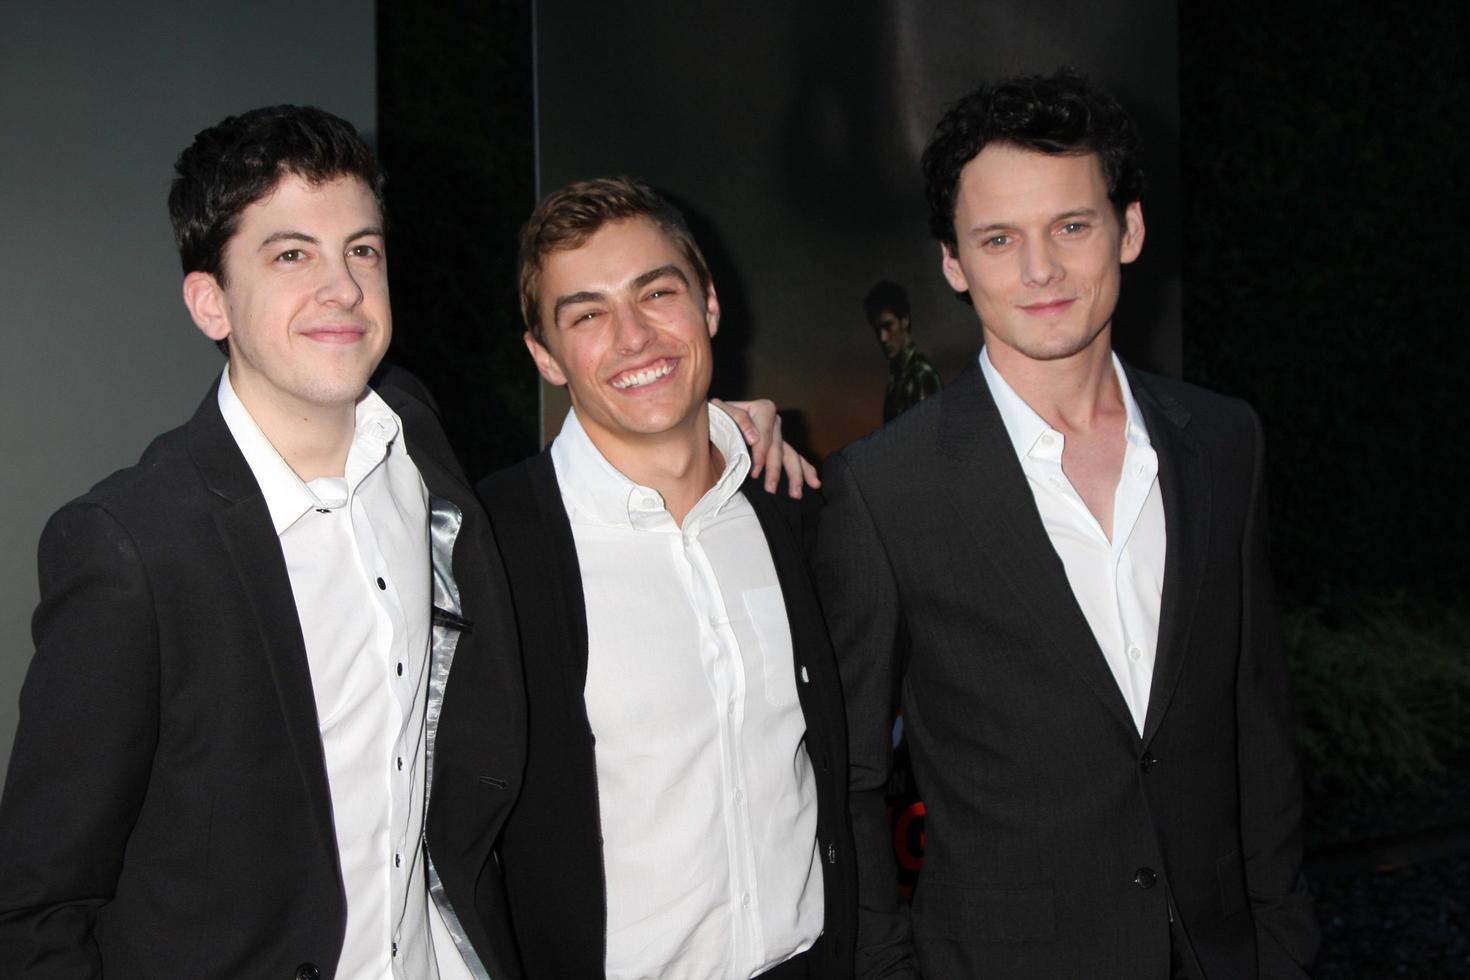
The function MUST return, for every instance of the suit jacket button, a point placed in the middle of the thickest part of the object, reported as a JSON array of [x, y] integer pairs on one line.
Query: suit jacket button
[[1145, 878], [1148, 762], [308, 971]]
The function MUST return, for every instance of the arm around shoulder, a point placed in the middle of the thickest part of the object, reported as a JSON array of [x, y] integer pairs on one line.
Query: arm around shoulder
[[83, 748]]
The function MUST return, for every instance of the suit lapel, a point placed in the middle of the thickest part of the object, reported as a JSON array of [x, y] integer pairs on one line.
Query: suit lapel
[[565, 578], [1185, 487], [790, 565], [249, 537], [983, 479]]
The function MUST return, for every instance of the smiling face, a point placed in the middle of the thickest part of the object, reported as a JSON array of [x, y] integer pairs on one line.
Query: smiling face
[[304, 299], [627, 329], [1039, 250]]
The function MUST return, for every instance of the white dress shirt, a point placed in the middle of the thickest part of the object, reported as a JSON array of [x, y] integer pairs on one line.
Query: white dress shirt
[[707, 799], [357, 553], [1117, 583]]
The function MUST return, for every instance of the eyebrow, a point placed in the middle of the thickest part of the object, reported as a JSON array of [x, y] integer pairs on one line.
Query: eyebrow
[[659, 273], [301, 236], [588, 296]]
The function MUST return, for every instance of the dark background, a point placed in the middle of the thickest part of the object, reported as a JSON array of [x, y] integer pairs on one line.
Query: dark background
[[1307, 202]]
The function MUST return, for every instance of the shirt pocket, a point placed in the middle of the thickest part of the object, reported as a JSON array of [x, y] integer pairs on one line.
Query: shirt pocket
[[767, 610]]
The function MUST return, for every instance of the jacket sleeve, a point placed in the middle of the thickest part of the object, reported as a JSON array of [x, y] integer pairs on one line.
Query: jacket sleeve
[[1270, 770], [860, 600], [83, 749]]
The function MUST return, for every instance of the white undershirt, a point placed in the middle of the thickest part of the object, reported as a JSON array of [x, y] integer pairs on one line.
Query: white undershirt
[[707, 799], [1117, 583], [357, 553]]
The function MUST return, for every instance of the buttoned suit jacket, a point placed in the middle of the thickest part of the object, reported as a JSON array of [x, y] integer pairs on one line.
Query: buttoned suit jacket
[[1058, 841], [553, 850], [166, 810]]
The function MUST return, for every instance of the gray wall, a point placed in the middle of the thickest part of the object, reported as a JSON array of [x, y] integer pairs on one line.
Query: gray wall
[[792, 131], [96, 100]]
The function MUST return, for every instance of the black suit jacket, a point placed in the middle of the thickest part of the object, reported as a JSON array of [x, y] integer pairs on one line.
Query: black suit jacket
[[166, 811], [1058, 839], [552, 849]]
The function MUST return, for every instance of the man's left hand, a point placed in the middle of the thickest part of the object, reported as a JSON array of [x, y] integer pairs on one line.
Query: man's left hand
[[769, 453]]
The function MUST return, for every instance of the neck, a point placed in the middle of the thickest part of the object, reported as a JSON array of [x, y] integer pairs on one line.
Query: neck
[[680, 463], [313, 439], [1070, 393]]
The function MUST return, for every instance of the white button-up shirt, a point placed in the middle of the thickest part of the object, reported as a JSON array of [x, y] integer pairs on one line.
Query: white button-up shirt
[[707, 798], [1117, 583], [357, 553]]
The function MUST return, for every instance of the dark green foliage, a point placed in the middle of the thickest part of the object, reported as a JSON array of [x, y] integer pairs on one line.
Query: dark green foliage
[[1383, 696], [456, 137], [1325, 153]]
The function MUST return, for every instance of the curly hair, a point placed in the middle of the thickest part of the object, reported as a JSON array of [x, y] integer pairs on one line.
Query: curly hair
[[1059, 114]]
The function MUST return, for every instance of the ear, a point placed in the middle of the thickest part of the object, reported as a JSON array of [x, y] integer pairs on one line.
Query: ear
[[952, 271], [1132, 242], [205, 299], [545, 363], [711, 309]]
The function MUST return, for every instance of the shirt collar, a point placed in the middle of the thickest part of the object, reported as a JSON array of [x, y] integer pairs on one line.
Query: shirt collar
[[1025, 427], [596, 492], [286, 496]]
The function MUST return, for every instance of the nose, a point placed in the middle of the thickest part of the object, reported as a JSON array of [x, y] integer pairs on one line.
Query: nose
[[632, 332], [339, 287], [1039, 265]]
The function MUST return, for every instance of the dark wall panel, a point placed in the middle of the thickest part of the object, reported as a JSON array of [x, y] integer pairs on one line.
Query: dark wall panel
[[791, 134]]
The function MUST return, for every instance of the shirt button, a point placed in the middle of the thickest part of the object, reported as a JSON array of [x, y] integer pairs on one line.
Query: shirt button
[[398, 860], [730, 708], [1048, 439], [381, 584], [395, 949], [739, 796], [1145, 878], [650, 502], [745, 900], [1134, 653], [400, 763], [400, 670]]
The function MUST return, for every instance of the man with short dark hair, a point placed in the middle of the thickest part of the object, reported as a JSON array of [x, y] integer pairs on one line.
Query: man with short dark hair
[[911, 378], [684, 802], [1059, 566], [237, 755]]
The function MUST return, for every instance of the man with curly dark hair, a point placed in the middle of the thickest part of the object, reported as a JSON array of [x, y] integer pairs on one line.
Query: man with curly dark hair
[[1058, 565]]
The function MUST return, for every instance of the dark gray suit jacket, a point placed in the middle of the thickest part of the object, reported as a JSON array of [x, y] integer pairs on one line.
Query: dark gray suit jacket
[[166, 811], [1058, 839]]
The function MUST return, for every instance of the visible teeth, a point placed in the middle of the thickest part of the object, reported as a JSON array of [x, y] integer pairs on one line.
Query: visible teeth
[[647, 376]]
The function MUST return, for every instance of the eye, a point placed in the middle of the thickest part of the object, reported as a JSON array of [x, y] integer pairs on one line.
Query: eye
[[996, 241], [1074, 228], [363, 251], [291, 256]]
